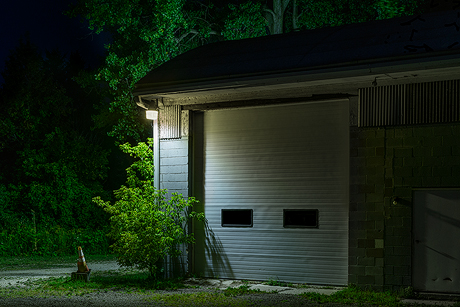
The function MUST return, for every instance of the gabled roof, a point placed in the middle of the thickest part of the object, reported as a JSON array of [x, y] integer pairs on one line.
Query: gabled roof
[[415, 37]]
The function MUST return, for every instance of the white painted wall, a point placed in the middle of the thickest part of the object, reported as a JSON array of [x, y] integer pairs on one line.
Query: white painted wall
[[174, 165]]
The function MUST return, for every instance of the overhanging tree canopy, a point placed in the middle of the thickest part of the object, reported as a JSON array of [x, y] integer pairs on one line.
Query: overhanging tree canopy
[[147, 33]]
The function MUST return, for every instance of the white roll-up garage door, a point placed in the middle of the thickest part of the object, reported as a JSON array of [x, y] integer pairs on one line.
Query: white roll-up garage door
[[276, 193]]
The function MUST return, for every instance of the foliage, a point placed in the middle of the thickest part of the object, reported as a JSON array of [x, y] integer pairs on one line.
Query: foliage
[[145, 34], [26, 239], [52, 162], [146, 226], [244, 21], [241, 290], [277, 282], [407, 292], [9, 263], [395, 8]]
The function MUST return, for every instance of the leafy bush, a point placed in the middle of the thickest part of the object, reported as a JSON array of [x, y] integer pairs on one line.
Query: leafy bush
[[145, 225]]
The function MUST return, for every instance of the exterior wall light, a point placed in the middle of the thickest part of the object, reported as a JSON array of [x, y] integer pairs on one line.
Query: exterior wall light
[[151, 114]]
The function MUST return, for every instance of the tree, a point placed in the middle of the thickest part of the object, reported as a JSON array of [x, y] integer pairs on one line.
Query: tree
[[147, 33], [144, 35], [52, 162], [144, 225]]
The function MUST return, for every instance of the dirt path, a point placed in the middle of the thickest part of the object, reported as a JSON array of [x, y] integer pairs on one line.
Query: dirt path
[[20, 277]]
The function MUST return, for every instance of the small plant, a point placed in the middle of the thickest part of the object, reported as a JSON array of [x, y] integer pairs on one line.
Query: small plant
[[277, 282], [241, 290], [407, 292]]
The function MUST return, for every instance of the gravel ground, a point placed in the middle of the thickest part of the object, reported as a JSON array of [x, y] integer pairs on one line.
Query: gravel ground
[[122, 298], [276, 296], [14, 277]]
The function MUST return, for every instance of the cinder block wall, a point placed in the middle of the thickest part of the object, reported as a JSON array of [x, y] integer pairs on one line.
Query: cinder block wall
[[385, 163]]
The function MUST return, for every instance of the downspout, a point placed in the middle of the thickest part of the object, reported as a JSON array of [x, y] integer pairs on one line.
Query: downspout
[[153, 115], [156, 155]]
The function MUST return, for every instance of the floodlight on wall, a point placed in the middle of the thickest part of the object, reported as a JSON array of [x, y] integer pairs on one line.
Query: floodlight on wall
[[151, 114]]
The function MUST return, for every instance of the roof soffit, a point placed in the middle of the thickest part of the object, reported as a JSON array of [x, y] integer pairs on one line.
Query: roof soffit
[[399, 50]]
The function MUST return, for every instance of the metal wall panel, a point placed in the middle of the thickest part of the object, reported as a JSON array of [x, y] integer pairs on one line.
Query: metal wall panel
[[410, 104], [170, 122], [269, 159], [436, 248]]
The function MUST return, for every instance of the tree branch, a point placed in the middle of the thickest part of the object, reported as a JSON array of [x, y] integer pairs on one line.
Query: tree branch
[[285, 4], [294, 15], [193, 31], [270, 11]]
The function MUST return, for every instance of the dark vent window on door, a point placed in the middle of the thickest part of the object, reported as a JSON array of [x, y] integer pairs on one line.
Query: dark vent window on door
[[236, 217], [300, 218]]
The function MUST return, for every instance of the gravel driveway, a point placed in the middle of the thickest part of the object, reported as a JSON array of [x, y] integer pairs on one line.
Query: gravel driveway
[[280, 296], [18, 277]]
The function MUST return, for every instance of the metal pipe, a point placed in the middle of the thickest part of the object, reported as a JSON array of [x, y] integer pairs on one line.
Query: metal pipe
[[156, 155]]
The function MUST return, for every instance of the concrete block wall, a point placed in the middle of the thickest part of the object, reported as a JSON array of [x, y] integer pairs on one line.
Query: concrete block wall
[[386, 165], [367, 213]]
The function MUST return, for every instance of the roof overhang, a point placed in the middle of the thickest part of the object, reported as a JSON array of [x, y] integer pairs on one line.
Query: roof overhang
[[357, 75], [323, 61]]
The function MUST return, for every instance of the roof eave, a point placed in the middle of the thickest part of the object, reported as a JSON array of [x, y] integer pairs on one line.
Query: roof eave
[[414, 62]]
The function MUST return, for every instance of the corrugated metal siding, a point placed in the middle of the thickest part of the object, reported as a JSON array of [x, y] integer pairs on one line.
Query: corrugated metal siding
[[409, 104], [269, 159], [170, 122]]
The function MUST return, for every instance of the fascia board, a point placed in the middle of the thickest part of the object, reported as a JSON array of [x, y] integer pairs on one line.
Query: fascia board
[[349, 72]]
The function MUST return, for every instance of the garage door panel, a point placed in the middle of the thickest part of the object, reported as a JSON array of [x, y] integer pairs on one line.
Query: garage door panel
[[269, 159]]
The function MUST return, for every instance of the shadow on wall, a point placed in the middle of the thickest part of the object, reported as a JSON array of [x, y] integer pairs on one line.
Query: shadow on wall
[[211, 259]]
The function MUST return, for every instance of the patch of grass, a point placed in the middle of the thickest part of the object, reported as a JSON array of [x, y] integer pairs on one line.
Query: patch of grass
[[47, 262], [125, 280], [354, 295], [241, 290], [58, 286], [197, 299], [135, 279]]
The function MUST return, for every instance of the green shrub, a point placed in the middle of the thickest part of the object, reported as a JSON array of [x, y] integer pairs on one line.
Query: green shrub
[[146, 226]]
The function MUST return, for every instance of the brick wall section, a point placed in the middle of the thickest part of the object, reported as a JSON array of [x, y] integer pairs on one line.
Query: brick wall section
[[386, 163]]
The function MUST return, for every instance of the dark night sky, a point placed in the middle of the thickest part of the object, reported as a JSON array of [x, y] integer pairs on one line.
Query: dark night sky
[[48, 29]]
